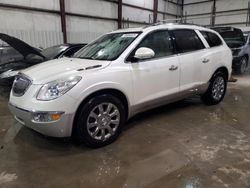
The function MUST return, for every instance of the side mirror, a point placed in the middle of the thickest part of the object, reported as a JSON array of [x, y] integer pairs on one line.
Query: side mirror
[[144, 53]]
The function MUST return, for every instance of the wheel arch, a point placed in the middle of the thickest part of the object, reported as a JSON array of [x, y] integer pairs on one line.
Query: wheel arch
[[223, 70], [115, 92]]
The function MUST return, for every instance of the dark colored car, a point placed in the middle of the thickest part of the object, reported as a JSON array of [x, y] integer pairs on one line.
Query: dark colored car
[[9, 54], [30, 56], [239, 45]]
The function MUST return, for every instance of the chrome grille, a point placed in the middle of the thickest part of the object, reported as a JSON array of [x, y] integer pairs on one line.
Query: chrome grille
[[20, 85]]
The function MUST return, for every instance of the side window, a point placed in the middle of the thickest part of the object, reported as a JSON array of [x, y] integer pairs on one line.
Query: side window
[[160, 42], [211, 38], [205, 36], [187, 40], [72, 51]]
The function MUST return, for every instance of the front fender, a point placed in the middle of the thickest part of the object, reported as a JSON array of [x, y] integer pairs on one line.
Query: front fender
[[81, 96]]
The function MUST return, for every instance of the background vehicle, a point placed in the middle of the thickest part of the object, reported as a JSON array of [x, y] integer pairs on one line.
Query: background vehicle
[[246, 35], [63, 50], [239, 45], [122, 73], [19, 55], [9, 54]]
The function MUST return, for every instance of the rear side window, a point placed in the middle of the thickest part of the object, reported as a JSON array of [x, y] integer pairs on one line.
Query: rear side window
[[211, 38], [187, 40]]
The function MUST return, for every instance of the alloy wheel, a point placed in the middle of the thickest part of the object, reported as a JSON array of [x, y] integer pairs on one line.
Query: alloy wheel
[[103, 121], [218, 88]]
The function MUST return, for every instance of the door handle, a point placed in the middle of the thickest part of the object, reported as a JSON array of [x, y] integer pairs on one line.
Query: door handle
[[173, 68], [205, 60]]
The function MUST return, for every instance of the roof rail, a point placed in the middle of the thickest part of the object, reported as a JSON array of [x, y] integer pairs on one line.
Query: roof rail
[[163, 22], [182, 20]]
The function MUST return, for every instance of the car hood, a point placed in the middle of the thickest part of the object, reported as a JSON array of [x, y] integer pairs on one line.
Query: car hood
[[61, 68], [22, 47]]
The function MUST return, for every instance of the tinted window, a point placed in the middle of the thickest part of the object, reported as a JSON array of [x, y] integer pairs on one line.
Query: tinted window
[[187, 40], [211, 38], [160, 42]]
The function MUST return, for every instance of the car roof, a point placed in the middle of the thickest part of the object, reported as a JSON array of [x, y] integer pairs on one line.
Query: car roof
[[163, 26]]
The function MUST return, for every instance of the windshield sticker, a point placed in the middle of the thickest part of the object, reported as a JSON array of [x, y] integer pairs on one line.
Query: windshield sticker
[[130, 35]]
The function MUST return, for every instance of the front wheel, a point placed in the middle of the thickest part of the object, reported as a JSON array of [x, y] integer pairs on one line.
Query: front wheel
[[216, 90], [99, 121]]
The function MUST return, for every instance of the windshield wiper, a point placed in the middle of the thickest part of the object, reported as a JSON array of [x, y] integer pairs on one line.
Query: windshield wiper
[[86, 58]]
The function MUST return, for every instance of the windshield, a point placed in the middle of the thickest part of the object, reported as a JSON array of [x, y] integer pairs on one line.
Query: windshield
[[108, 47], [52, 52], [234, 39]]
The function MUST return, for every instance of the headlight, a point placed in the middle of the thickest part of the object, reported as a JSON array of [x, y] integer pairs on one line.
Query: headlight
[[8, 74], [55, 89]]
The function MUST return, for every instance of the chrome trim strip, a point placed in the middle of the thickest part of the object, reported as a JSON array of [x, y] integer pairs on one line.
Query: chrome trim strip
[[36, 111]]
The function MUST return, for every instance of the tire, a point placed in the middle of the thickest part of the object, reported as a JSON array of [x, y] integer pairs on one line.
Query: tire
[[212, 95], [99, 122], [242, 67]]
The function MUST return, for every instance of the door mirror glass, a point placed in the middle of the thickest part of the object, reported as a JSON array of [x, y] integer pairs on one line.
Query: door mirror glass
[[144, 53]]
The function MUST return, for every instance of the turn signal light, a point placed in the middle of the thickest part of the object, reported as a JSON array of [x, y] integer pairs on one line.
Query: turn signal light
[[46, 116], [55, 117]]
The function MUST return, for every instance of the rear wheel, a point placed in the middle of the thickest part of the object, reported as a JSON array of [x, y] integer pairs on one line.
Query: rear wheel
[[242, 67], [99, 121], [216, 90]]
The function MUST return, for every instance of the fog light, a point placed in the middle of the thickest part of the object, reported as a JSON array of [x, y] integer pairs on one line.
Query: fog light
[[46, 116]]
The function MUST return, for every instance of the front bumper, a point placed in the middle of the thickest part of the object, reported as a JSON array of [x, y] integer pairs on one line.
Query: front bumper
[[59, 128]]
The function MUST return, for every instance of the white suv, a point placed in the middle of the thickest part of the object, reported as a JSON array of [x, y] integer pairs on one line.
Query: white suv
[[122, 73]]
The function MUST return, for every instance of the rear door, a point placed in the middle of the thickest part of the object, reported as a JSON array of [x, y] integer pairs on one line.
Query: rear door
[[192, 57], [215, 53]]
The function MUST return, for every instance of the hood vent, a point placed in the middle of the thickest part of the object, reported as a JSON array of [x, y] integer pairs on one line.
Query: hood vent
[[92, 67]]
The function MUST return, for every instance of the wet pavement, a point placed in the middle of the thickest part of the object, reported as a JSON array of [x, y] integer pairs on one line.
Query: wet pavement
[[185, 144]]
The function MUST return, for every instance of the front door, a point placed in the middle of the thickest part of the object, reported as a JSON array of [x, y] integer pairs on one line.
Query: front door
[[157, 78]]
